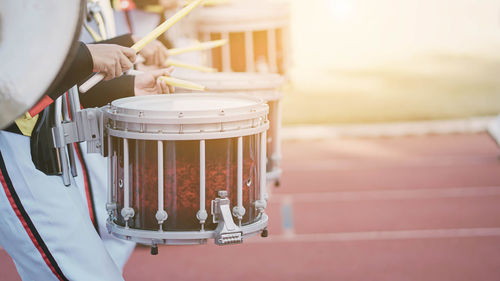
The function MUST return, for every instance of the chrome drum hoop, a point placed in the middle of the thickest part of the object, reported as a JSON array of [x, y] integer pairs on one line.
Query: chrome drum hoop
[[129, 122], [148, 237]]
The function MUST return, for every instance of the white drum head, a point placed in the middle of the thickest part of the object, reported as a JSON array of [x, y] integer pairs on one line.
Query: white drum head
[[186, 105], [186, 116]]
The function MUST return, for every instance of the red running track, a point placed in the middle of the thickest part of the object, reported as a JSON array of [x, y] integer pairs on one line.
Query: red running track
[[407, 208]]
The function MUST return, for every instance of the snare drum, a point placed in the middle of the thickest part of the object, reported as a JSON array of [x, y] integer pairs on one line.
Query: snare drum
[[264, 86], [258, 34], [185, 168]]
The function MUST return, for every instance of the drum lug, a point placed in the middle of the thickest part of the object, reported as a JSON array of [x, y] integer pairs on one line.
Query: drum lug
[[239, 212], [161, 216], [260, 205], [227, 232], [202, 216], [127, 213], [110, 207]]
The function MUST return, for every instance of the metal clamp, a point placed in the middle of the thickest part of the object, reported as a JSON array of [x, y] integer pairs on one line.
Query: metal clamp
[[87, 125], [227, 232]]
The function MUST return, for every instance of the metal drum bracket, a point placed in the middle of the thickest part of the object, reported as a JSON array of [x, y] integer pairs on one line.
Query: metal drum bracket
[[227, 232]]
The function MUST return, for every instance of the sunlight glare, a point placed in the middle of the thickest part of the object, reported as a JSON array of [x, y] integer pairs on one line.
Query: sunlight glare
[[341, 10]]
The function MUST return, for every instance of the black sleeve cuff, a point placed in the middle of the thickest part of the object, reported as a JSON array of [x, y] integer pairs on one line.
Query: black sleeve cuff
[[122, 40], [80, 68], [108, 91]]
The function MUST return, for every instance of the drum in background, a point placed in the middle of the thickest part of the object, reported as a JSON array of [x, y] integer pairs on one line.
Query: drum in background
[[182, 166], [258, 34], [264, 86]]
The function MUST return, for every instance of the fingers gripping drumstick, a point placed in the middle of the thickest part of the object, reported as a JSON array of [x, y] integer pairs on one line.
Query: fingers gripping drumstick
[[146, 40]]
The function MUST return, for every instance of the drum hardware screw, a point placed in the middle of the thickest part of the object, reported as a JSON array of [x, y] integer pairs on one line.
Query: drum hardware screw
[[264, 233], [154, 250], [120, 183], [249, 182], [141, 114], [181, 114], [222, 194]]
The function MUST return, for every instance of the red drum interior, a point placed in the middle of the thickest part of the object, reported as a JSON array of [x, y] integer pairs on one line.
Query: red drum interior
[[182, 180], [237, 50]]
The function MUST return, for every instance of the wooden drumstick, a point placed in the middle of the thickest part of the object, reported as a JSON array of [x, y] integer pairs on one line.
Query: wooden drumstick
[[190, 66], [197, 47], [181, 83], [139, 45]]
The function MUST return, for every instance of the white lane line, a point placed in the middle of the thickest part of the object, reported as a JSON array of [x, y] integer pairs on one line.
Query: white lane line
[[287, 216], [417, 128], [390, 194], [381, 235], [401, 163]]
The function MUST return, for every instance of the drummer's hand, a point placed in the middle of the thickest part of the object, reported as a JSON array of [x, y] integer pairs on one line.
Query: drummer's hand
[[148, 83], [111, 60], [154, 53]]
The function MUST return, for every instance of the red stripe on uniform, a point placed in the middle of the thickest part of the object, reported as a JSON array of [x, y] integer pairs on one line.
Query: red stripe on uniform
[[26, 227], [40, 106]]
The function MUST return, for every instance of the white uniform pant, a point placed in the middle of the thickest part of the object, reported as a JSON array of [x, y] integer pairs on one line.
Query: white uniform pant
[[45, 226]]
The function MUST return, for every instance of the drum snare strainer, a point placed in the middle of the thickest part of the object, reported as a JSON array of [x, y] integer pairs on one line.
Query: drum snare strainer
[[185, 168]]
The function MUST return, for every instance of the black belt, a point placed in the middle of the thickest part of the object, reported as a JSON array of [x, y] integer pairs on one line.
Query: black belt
[[43, 154], [13, 129]]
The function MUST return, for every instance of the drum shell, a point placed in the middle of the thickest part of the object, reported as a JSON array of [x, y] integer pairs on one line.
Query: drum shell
[[182, 180]]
